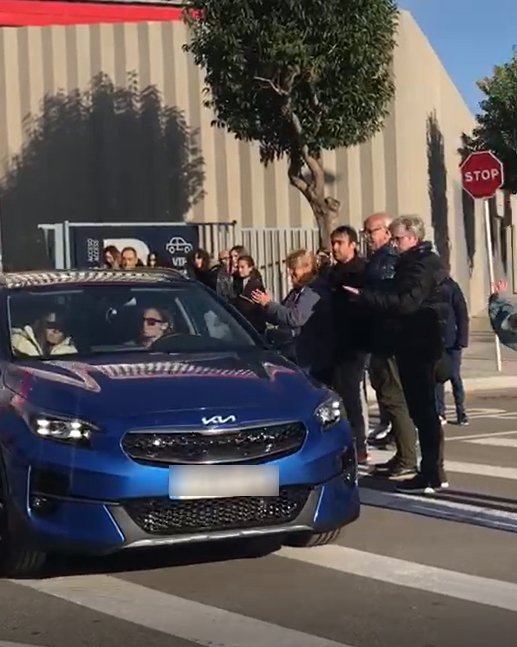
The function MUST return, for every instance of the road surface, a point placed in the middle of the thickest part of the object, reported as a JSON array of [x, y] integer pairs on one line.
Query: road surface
[[412, 572]]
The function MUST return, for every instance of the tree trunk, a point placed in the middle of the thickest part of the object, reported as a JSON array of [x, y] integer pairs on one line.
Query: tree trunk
[[326, 213], [325, 209]]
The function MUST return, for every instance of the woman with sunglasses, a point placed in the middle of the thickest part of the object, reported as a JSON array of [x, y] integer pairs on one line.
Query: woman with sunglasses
[[46, 337], [154, 324]]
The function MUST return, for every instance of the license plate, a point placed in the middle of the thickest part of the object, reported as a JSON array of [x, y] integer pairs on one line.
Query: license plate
[[216, 481]]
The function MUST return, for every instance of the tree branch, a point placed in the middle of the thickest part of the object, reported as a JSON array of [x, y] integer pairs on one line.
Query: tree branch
[[296, 180], [280, 91], [316, 169]]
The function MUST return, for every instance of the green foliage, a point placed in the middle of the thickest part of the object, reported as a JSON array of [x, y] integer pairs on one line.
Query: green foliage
[[296, 75], [496, 128]]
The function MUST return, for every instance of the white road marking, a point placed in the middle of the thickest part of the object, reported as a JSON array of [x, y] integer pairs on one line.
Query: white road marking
[[470, 588], [455, 467], [6, 643], [487, 435], [441, 509], [495, 442], [172, 615], [478, 469]]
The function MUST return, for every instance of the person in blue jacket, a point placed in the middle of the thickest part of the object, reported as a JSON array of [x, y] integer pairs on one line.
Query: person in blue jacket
[[503, 315], [456, 338], [305, 332]]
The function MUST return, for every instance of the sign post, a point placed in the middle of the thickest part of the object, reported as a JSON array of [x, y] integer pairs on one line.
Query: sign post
[[482, 175]]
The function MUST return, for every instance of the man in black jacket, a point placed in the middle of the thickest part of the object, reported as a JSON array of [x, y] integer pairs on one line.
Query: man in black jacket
[[384, 373], [456, 339], [412, 299], [350, 357]]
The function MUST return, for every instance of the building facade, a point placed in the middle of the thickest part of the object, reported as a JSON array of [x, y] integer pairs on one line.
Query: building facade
[[104, 121]]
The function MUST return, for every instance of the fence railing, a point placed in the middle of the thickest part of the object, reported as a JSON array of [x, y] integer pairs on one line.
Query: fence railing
[[268, 247]]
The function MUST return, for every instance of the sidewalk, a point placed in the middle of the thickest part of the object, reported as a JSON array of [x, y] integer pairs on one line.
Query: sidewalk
[[479, 370]]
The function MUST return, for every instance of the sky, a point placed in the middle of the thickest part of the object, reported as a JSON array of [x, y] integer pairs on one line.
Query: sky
[[469, 36]]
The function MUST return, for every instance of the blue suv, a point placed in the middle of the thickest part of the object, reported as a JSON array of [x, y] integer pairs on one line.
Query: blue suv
[[138, 410]]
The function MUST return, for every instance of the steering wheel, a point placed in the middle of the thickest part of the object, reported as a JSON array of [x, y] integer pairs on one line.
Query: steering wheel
[[160, 344]]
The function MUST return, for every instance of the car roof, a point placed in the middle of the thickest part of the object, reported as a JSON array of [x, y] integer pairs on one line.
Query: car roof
[[13, 280]]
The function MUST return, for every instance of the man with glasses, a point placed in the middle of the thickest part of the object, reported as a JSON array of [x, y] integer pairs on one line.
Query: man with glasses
[[221, 277], [384, 374], [414, 301]]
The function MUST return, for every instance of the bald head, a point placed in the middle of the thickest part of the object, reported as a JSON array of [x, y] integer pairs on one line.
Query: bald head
[[376, 228]]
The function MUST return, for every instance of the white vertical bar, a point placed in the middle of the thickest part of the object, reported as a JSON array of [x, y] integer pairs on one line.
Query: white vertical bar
[[490, 259]]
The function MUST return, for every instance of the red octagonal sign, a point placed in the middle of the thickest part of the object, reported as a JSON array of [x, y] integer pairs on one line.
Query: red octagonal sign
[[482, 174]]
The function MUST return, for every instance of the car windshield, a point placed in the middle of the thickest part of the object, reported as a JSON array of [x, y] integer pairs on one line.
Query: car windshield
[[99, 319]]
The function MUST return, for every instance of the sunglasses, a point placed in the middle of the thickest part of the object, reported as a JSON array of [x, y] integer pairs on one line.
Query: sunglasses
[[54, 325], [151, 321]]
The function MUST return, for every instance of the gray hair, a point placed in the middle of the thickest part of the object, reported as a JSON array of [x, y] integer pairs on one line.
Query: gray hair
[[412, 224]]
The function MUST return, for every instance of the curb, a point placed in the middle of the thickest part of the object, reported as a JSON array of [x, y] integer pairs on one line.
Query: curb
[[473, 384]]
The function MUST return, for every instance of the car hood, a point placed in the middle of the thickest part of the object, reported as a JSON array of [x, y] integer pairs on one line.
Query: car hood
[[128, 386]]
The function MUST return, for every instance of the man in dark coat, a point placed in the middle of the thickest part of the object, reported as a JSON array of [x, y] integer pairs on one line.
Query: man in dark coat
[[456, 339], [384, 373], [350, 355], [412, 299]]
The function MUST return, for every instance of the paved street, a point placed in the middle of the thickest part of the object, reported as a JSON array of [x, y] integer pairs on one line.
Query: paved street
[[412, 572]]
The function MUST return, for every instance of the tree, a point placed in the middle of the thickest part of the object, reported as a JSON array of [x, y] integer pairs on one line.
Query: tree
[[298, 77], [496, 127]]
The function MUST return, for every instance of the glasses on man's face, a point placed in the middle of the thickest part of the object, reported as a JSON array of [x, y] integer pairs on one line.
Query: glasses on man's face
[[371, 232], [151, 321]]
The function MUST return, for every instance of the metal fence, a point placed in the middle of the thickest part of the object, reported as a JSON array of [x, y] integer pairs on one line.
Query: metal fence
[[268, 247]]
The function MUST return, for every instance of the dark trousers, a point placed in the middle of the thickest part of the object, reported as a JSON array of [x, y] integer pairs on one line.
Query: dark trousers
[[458, 391], [417, 376], [385, 379], [348, 382]]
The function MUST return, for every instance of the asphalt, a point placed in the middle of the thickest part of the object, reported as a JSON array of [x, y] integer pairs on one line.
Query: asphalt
[[411, 572]]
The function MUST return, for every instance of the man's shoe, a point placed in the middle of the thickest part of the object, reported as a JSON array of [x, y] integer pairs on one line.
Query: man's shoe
[[421, 485], [380, 434], [443, 420], [401, 471], [463, 421]]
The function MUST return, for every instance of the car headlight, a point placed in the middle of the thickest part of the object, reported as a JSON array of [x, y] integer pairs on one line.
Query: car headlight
[[330, 412], [60, 428]]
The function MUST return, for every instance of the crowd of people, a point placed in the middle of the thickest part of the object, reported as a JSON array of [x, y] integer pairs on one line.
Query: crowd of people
[[395, 315]]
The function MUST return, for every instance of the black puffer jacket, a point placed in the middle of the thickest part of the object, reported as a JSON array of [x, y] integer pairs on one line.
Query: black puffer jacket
[[414, 303], [379, 327], [381, 265]]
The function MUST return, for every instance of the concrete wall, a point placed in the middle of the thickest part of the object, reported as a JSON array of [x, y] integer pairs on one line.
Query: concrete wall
[[125, 155]]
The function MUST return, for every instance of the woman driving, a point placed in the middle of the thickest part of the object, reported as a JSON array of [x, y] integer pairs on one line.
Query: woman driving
[[154, 324], [44, 338]]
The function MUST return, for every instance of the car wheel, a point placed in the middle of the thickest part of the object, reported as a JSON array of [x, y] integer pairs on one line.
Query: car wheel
[[304, 540], [17, 559]]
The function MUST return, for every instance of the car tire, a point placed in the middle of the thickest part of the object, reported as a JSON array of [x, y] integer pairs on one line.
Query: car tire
[[17, 559], [304, 540]]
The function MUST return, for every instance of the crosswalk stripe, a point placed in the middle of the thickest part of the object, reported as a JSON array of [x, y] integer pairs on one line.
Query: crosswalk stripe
[[478, 469], [489, 435], [430, 579], [494, 442], [172, 615], [458, 467], [6, 643], [441, 509]]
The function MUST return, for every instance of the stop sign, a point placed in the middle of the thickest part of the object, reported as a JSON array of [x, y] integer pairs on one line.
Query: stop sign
[[482, 174]]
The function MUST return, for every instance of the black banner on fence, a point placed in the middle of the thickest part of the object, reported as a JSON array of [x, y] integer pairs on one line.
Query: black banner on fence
[[170, 243]]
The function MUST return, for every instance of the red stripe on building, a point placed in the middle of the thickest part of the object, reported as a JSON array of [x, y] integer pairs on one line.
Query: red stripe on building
[[24, 13]]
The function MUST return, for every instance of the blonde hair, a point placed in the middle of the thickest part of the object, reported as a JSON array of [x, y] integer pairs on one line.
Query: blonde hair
[[412, 224]]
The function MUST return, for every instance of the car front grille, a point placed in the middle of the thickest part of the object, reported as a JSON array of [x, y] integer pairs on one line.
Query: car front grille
[[237, 445], [163, 516]]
